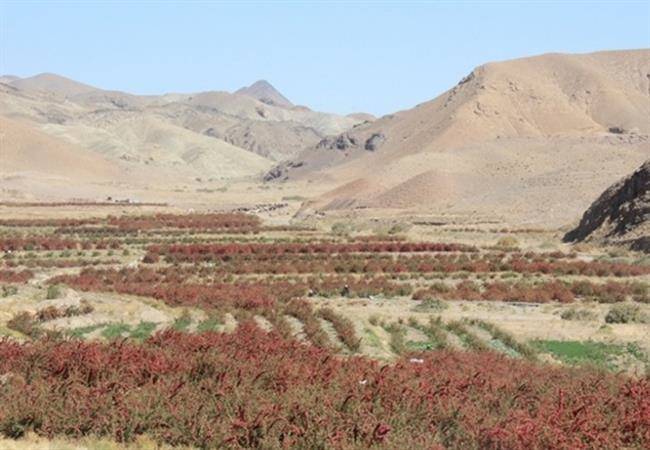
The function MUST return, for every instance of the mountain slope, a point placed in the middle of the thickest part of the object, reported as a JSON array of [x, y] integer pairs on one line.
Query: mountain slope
[[56, 84], [25, 150], [620, 215], [511, 139], [210, 135]]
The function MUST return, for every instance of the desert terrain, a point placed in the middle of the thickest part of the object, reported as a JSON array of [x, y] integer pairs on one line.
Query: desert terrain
[[231, 270]]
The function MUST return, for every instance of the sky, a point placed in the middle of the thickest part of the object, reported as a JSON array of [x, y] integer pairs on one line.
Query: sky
[[376, 57]]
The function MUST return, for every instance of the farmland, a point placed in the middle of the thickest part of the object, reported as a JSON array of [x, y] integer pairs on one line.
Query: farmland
[[220, 330]]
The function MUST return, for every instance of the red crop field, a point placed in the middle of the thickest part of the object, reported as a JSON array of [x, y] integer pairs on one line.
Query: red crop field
[[287, 337], [255, 389]]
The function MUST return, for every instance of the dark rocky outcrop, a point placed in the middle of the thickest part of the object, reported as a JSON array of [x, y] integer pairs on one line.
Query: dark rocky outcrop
[[281, 171], [621, 215], [341, 142], [375, 141]]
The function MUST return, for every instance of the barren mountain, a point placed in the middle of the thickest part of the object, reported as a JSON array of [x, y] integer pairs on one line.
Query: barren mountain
[[621, 215], [215, 135], [52, 83], [533, 139]]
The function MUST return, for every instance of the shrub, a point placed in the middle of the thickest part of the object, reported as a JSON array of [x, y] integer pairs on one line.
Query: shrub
[[53, 291], [626, 313], [9, 290], [431, 305], [507, 242], [25, 323], [578, 314]]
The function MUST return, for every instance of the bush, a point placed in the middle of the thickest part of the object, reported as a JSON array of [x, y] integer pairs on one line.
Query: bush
[[53, 291], [398, 228], [577, 314], [626, 313], [24, 323], [341, 228], [507, 242], [429, 305], [9, 290]]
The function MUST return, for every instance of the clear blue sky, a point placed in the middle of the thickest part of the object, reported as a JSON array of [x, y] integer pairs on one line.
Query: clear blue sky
[[375, 57]]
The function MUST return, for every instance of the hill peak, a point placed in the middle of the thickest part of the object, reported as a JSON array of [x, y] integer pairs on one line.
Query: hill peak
[[264, 91], [52, 82]]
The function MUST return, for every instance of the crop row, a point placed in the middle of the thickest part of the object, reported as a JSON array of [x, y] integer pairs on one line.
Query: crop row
[[12, 276], [207, 221], [58, 262], [253, 295], [343, 262], [544, 292], [45, 243], [216, 251], [251, 389]]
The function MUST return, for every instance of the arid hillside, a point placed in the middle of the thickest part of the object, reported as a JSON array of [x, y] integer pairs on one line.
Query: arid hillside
[[210, 134], [621, 215], [531, 140]]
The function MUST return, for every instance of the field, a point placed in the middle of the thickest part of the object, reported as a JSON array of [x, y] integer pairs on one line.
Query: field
[[224, 330]]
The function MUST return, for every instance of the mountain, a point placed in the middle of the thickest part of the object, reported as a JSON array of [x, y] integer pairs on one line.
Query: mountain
[[621, 215], [211, 135], [52, 83], [533, 140], [263, 91], [8, 78]]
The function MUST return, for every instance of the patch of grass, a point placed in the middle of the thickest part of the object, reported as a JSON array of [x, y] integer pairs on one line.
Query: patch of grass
[[371, 338], [115, 330], [183, 322], [209, 324], [143, 330], [421, 346], [80, 332], [582, 352], [53, 291]]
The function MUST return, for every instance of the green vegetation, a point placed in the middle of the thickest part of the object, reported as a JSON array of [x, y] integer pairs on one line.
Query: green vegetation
[[53, 291], [143, 330], [209, 324], [434, 331], [81, 332], [506, 339], [115, 330], [586, 352], [469, 339], [371, 338], [183, 322]]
